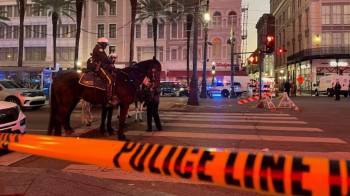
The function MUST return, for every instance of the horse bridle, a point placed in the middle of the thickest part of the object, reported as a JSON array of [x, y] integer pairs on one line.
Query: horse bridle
[[130, 79]]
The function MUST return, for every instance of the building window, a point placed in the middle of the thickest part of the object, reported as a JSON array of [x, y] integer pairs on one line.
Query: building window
[[73, 31], [138, 31], [43, 31], [149, 31], [28, 29], [174, 30], [9, 32], [217, 19], [29, 10], [9, 11], [217, 48], [65, 31], [112, 31], [43, 12], [2, 32], [173, 54], [65, 53], [100, 8], [326, 39], [160, 53], [139, 53], [337, 40], [8, 54], [326, 14], [36, 33], [347, 39], [15, 11], [161, 31], [346, 14], [15, 32], [35, 54], [100, 30], [36, 11], [232, 19], [111, 49], [336, 14], [113, 8], [184, 54]]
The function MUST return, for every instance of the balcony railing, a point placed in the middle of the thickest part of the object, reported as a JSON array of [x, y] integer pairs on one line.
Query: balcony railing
[[320, 53]]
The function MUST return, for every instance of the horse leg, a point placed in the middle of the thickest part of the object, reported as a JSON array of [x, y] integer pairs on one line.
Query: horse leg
[[136, 111], [103, 119], [122, 117], [141, 110], [109, 121], [66, 124]]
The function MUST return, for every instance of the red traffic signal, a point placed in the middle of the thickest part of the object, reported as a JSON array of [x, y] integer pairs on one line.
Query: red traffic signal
[[253, 59], [270, 44], [280, 51]]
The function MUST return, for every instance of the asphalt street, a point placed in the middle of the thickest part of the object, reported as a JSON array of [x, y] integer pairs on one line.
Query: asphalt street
[[321, 128]]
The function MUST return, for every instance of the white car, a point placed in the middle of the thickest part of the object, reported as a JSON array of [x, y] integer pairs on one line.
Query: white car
[[12, 119], [25, 98]]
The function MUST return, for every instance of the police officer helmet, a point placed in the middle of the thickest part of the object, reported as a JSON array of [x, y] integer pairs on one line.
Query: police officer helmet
[[102, 41]]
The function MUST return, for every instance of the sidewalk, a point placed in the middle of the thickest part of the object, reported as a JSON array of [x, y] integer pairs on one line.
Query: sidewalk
[[25, 181]]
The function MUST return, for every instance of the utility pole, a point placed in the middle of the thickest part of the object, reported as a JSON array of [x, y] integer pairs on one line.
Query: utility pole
[[232, 43], [204, 70], [193, 97]]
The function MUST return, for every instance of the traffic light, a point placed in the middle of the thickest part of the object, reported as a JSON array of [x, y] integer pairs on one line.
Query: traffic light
[[270, 44], [280, 51], [253, 59]]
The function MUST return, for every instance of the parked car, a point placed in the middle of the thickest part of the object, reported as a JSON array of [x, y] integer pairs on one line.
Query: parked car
[[220, 89], [326, 84], [174, 89], [12, 119], [24, 97]]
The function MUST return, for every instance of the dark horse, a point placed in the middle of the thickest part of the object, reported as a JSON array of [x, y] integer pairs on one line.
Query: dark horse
[[66, 93]]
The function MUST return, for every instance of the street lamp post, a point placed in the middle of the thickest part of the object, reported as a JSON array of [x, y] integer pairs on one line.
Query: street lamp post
[[205, 50], [213, 72], [231, 41]]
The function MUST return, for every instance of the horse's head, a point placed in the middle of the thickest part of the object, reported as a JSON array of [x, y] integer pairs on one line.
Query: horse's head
[[152, 69]]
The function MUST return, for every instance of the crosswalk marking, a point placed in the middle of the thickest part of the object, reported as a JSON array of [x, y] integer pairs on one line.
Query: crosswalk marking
[[226, 114], [230, 117], [224, 136], [236, 120], [249, 127]]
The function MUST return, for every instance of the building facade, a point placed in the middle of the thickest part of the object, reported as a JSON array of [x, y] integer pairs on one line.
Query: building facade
[[266, 27], [316, 35], [113, 21]]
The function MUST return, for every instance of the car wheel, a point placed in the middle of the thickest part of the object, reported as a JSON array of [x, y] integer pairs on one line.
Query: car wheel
[[225, 93], [346, 95]]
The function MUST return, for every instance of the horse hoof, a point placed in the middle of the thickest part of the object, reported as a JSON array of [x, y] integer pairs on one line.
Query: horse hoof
[[69, 132], [121, 137]]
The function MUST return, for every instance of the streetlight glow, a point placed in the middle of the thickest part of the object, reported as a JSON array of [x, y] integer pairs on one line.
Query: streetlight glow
[[78, 63], [206, 17]]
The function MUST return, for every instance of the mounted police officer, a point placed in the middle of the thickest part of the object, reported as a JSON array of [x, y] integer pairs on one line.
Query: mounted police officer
[[103, 65]]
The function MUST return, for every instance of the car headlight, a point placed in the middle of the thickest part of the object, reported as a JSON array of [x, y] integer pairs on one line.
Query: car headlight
[[25, 94], [182, 89]]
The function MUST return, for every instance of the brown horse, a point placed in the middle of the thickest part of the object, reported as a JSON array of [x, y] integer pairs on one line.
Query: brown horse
[[66, 93]]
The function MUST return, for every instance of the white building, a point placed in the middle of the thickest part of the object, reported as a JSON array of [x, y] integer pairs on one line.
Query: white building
[[113, 22]]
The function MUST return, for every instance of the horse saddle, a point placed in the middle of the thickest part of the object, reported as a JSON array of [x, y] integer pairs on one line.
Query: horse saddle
[[92, 80]]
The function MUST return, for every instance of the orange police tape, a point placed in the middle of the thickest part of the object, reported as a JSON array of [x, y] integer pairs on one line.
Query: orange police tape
[[275, 174]]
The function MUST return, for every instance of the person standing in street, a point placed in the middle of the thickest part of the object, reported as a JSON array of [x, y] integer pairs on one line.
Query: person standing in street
[[337, 89], [287, 88], [152, 94]]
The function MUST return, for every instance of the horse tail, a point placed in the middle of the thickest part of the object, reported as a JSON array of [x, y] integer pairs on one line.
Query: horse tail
[[53, 109]]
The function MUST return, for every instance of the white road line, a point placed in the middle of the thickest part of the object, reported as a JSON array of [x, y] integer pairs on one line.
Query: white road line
[[236, 121], [12, 157], [230, 117], [248, 127], [212, 136], [226, 114]]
